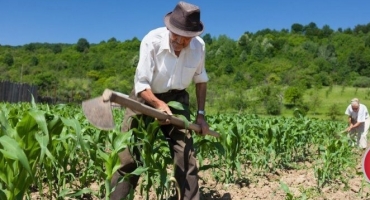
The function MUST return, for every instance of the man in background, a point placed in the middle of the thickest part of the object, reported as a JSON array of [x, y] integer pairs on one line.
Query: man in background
[[358, 121]]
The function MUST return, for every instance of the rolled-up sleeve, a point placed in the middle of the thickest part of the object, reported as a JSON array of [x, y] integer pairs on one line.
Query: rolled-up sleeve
[[201, 75], [362, 114], [144, 70], [348, 110]]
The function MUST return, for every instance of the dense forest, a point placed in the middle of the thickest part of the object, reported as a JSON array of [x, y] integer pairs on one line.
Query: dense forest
[[277, 65]]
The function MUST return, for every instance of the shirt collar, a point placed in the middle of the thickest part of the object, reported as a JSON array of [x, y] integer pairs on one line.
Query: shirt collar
[[165, 42]]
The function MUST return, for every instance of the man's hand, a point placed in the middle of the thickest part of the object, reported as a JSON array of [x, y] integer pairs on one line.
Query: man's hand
[[151, 99], [162, 106], [203, 124], [350, 128]]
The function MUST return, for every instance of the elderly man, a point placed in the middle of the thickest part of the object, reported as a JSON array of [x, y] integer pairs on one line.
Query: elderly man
[[359, 121], [171, 58]]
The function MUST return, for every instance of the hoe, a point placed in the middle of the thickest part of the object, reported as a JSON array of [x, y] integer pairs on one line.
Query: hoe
[[99, 111]]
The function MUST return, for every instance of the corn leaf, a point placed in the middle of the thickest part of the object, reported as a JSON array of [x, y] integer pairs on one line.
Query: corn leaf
[[12, 147], [5, 126], [121, 141], [177, 105]]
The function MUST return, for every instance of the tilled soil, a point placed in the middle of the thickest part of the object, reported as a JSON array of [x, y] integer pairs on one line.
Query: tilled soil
[[301, 183]]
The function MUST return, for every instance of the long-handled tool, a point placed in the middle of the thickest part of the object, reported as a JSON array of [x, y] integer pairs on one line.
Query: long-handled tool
[[99, 111], [340, 134]]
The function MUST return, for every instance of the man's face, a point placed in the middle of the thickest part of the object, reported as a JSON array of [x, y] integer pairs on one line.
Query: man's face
[[355, 108], [179, 42]]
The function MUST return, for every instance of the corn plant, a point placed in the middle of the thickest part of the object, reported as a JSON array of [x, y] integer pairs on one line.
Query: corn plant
[[120, 141], [22, 148], [48, 147], [54, 150], [155, 156], [335, 161]]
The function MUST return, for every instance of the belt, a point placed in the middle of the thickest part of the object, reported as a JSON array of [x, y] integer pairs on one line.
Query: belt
[[174, 91], [171, 92]]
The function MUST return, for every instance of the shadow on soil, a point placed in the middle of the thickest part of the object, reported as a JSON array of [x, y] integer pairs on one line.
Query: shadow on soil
[[207, 193]]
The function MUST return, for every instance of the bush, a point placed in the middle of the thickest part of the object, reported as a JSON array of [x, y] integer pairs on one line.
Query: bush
[[8, 59], [293, 95], [334, 111], [362, 82], [273, 106]]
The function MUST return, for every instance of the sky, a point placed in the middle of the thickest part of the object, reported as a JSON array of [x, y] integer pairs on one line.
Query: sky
[[66, 21]]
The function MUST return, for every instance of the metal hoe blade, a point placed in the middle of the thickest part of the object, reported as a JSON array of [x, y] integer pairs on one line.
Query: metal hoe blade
[[99, 113]]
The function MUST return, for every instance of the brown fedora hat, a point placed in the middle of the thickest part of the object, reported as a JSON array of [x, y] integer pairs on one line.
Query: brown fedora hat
[[184, 20]]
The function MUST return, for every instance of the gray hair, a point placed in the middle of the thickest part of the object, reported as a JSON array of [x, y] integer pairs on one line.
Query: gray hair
[[355, 102]]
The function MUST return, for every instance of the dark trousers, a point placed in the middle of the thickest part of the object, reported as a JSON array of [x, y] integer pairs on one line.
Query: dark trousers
[[181, 148]]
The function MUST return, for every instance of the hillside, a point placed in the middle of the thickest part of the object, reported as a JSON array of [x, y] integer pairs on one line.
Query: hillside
[[252, 74]]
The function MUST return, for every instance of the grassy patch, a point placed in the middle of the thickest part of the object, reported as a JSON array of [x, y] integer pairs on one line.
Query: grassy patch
[[341, 96]]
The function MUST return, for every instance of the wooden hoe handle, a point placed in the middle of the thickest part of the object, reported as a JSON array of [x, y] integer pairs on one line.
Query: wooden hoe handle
[[125, 101]]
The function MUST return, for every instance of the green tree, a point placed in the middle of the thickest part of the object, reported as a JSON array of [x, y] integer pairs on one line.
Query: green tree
[[311, 30], [34, 61], [8, 59], [362, 28], [56, 48], [297, 28], [243, 40], [270, 97], [82, 45], [238, 101], [315, 102], [113, 39], [112, 43], [273, 106], [46, 82], [326, 31], [352, 62], [257, 52], [97, 64], [334, 111], [229, 69], [367, 41], [304, 57], [293, 95], [207, 39], [348, 31], [30, 47], [362, 82]]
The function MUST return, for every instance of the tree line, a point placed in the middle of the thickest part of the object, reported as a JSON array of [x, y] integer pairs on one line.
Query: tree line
[[270, 61]]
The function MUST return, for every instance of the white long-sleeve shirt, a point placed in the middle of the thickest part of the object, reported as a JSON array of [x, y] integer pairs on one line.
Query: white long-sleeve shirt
[[160, 70], [359, 116]]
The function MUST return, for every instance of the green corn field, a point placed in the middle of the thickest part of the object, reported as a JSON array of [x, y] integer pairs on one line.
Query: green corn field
[[56, 152]]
